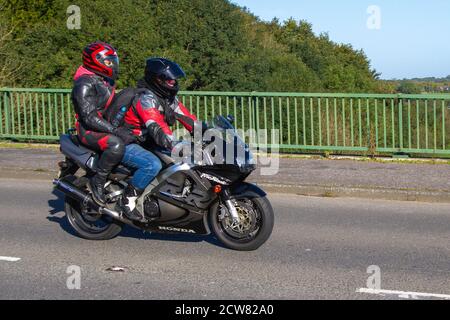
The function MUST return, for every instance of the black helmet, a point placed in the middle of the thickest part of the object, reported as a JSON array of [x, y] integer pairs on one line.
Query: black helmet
[[162, 76]]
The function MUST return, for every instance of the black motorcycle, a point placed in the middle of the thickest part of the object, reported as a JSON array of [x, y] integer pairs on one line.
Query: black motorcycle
[[187, 197]]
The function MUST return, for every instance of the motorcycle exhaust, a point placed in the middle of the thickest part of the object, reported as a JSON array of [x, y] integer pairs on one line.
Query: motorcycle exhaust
[[72, 191]]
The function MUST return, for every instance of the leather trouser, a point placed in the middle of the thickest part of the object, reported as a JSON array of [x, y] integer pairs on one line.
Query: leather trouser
[[111, 147]]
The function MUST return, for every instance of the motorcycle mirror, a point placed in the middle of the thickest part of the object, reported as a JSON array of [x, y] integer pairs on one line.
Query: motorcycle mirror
[[230, 118]]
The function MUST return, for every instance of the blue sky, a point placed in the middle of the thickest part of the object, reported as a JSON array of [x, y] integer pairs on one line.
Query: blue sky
[[413, 39]]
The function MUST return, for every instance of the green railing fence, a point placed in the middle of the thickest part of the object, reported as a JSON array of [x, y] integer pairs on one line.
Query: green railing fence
[[337, 123]]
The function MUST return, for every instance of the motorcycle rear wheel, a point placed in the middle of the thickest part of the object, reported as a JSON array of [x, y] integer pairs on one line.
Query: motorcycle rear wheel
[[257, 220], [91, 227]]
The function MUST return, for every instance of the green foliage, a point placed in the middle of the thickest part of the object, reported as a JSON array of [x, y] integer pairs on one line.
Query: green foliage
[[25, 13], [9, 64], [220, 45], [419, 85], [409, 87]]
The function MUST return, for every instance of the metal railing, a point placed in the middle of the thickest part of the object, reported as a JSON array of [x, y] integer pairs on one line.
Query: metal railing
[[328, 122]]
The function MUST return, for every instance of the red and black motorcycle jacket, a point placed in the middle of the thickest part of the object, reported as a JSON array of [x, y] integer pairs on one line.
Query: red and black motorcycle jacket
[[157, 115], [91, 95]]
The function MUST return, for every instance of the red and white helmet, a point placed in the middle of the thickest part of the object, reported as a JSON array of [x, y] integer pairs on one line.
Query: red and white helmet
[[102, 59]]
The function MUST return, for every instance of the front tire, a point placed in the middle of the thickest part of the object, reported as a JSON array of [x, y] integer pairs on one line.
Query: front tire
[[257, 220], [91, 227]]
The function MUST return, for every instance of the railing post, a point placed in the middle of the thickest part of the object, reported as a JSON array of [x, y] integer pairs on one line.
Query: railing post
[[400, 122], [7, 112], [400, 154], [369, 131], [253, 125]]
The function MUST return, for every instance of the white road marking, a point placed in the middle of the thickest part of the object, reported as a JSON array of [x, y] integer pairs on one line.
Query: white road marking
[[404, 294], [10, 259]]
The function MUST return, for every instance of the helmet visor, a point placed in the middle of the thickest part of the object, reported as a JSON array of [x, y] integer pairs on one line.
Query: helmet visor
[[111, 61], [174, 72]]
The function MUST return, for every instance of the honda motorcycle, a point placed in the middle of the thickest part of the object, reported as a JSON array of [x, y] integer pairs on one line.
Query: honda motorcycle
[[189, 197]]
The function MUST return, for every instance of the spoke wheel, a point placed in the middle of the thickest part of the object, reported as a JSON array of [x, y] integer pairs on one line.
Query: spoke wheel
[[249, 221], [87, 223], [255, 224]]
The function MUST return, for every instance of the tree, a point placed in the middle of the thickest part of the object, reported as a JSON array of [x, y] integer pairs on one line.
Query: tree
[[9, 66], [220, 45], [409, 87]]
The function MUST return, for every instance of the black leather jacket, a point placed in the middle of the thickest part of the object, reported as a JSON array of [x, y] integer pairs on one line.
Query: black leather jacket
[[90, 95]]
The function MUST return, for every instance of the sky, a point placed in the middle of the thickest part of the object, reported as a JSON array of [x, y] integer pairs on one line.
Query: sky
[[401, 38]]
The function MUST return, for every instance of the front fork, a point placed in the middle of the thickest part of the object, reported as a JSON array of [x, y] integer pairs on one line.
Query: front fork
[[226, 198]]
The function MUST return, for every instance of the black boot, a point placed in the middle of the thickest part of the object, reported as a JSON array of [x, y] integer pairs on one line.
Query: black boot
[[97, 186], [128, 204]]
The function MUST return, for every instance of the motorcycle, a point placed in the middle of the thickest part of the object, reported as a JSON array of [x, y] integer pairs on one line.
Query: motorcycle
[[188, 197]]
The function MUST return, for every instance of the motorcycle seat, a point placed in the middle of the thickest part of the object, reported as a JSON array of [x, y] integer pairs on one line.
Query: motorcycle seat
[[71, 146]]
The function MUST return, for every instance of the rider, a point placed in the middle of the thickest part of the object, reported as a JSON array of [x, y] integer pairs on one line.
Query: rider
[[156, 109], [93, 91]]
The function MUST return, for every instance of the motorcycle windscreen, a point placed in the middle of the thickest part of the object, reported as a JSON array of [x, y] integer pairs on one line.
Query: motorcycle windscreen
[[234, 150]]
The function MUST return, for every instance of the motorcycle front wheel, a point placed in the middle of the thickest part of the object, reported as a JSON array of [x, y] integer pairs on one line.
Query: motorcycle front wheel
[[88, 224], [256, 220]]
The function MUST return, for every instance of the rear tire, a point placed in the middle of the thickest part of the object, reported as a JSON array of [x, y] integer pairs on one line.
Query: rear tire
[[262, 234], [89, 227]]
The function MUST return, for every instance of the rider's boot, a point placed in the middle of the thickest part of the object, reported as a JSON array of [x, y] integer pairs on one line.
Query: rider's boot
[[128, 204], [97, 186]]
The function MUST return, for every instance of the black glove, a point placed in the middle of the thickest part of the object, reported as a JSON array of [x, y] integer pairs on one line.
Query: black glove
[[201, 124], [126, 135]]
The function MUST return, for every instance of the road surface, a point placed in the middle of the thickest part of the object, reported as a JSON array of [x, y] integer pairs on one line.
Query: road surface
[[321, 248]]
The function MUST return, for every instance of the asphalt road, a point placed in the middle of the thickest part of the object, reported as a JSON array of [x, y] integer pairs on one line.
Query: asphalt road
[[320, 249]]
